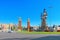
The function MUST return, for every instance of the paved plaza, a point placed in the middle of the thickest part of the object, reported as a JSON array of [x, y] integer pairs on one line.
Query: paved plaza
[[19, 36]]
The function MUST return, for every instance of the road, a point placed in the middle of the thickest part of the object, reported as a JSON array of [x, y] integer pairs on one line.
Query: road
[[19, 36]]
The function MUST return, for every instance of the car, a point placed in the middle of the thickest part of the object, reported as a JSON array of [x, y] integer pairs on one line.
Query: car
[[9, 31]]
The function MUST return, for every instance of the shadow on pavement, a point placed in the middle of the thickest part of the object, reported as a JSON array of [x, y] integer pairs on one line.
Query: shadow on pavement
[[40, 38], [48, 38], [14, 39]]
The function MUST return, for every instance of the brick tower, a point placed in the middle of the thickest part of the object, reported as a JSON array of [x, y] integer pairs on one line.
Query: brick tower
[[19, 24], [43, 19], [28, 25]]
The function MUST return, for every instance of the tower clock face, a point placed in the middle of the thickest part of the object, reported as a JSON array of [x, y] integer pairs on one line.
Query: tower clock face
[[45, 14]]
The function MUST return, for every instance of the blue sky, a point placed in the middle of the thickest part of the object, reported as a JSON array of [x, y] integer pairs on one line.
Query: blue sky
[[10, 10]]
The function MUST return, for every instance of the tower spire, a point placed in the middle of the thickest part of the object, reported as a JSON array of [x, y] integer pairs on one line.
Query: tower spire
[[44, 12]]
